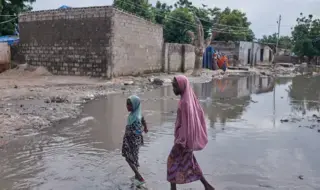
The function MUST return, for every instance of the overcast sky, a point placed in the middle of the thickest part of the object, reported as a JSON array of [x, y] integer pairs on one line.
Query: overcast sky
[[262, 14]]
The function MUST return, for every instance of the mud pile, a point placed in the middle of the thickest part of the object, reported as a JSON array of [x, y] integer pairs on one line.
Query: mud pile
[[26, 70]]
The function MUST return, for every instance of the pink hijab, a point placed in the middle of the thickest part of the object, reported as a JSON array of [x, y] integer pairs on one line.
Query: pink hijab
[[190, 130]]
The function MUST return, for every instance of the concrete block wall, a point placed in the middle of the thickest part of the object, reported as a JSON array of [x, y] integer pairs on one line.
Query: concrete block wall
[[137, 45], [68, 41], [255, 52], [98, 42], [244, 49], [178, 57], [189, 57], [5, 56], [230, 49]]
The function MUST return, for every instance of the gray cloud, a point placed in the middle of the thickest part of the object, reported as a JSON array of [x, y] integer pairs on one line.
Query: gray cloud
[[263, 14]]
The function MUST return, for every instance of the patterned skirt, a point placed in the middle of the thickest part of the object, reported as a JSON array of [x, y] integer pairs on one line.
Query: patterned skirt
[[131, 145], [182, 166]]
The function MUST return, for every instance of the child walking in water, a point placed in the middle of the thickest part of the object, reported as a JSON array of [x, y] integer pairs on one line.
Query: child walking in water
[[133, 138], [190, 135]]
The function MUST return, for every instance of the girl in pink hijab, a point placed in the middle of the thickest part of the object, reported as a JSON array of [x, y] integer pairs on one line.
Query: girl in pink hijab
[[190, 135]]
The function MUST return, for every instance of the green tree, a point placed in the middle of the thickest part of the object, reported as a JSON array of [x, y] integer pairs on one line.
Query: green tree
[[160, 11], [232, 25], [205, 15], [284, 41], [13, 8], [177, 24], [138, 7], [303, 35], [316, 43]]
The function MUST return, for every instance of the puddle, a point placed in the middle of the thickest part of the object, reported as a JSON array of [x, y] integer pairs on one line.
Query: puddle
[[249, 147]]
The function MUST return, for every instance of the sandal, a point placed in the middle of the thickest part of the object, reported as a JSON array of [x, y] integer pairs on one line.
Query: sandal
[[138, 183]]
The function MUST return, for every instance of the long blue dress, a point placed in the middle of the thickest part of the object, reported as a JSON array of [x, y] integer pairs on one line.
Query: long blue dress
[[207, 58]]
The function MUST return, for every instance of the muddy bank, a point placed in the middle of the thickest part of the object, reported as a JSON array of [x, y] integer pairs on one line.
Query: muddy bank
[[32, 99]]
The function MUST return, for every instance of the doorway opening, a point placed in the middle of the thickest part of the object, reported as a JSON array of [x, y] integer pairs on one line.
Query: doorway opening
[[270, 56], [261, 54]]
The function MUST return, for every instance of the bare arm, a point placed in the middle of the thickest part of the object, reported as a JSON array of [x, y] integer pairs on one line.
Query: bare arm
[[144, 124]]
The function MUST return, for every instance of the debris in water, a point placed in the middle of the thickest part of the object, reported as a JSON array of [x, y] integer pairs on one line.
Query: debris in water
[[151, 79], [300, 177], [265, 186], [254, 101], [167, 80], [157, 81], [83, 120], [284, 120], [15, 86], [56, 99], [128, 83], [89, 97], [312, 126]]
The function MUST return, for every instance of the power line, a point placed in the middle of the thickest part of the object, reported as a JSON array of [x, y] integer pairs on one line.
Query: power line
[[220, 30], [142, 8], [186, 22], [7, 15], [8, 20], [210, 21], [239, 26]]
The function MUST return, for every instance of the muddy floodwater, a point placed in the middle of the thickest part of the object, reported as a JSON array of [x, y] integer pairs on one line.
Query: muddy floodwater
[[263, 134]]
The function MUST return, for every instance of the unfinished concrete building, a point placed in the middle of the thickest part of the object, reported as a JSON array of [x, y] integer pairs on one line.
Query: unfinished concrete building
[[93, 41]]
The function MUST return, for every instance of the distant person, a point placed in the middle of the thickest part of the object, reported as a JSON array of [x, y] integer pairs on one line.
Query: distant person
[[223, 62], [133, 139], [190, 135]]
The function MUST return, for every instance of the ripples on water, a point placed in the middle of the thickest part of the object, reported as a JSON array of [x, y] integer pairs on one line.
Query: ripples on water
[[249, 147]]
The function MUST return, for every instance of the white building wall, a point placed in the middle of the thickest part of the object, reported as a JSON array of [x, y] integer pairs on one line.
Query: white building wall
[[244, 48]]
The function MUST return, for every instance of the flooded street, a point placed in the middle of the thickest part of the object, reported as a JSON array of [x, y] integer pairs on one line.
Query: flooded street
[[259, 138]]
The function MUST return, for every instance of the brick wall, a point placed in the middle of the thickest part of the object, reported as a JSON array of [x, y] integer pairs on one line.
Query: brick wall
[[178, 57], [137, 45], [68, 42]]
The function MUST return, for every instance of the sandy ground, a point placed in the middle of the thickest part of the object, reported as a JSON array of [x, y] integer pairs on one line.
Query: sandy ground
[[32, 99]]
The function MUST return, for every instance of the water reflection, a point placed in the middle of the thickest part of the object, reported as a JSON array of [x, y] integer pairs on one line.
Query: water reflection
[[84, 153], [231, 96], [305, 93]]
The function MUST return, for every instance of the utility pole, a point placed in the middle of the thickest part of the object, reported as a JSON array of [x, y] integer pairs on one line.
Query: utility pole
[[279, 23], [252, 54]]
